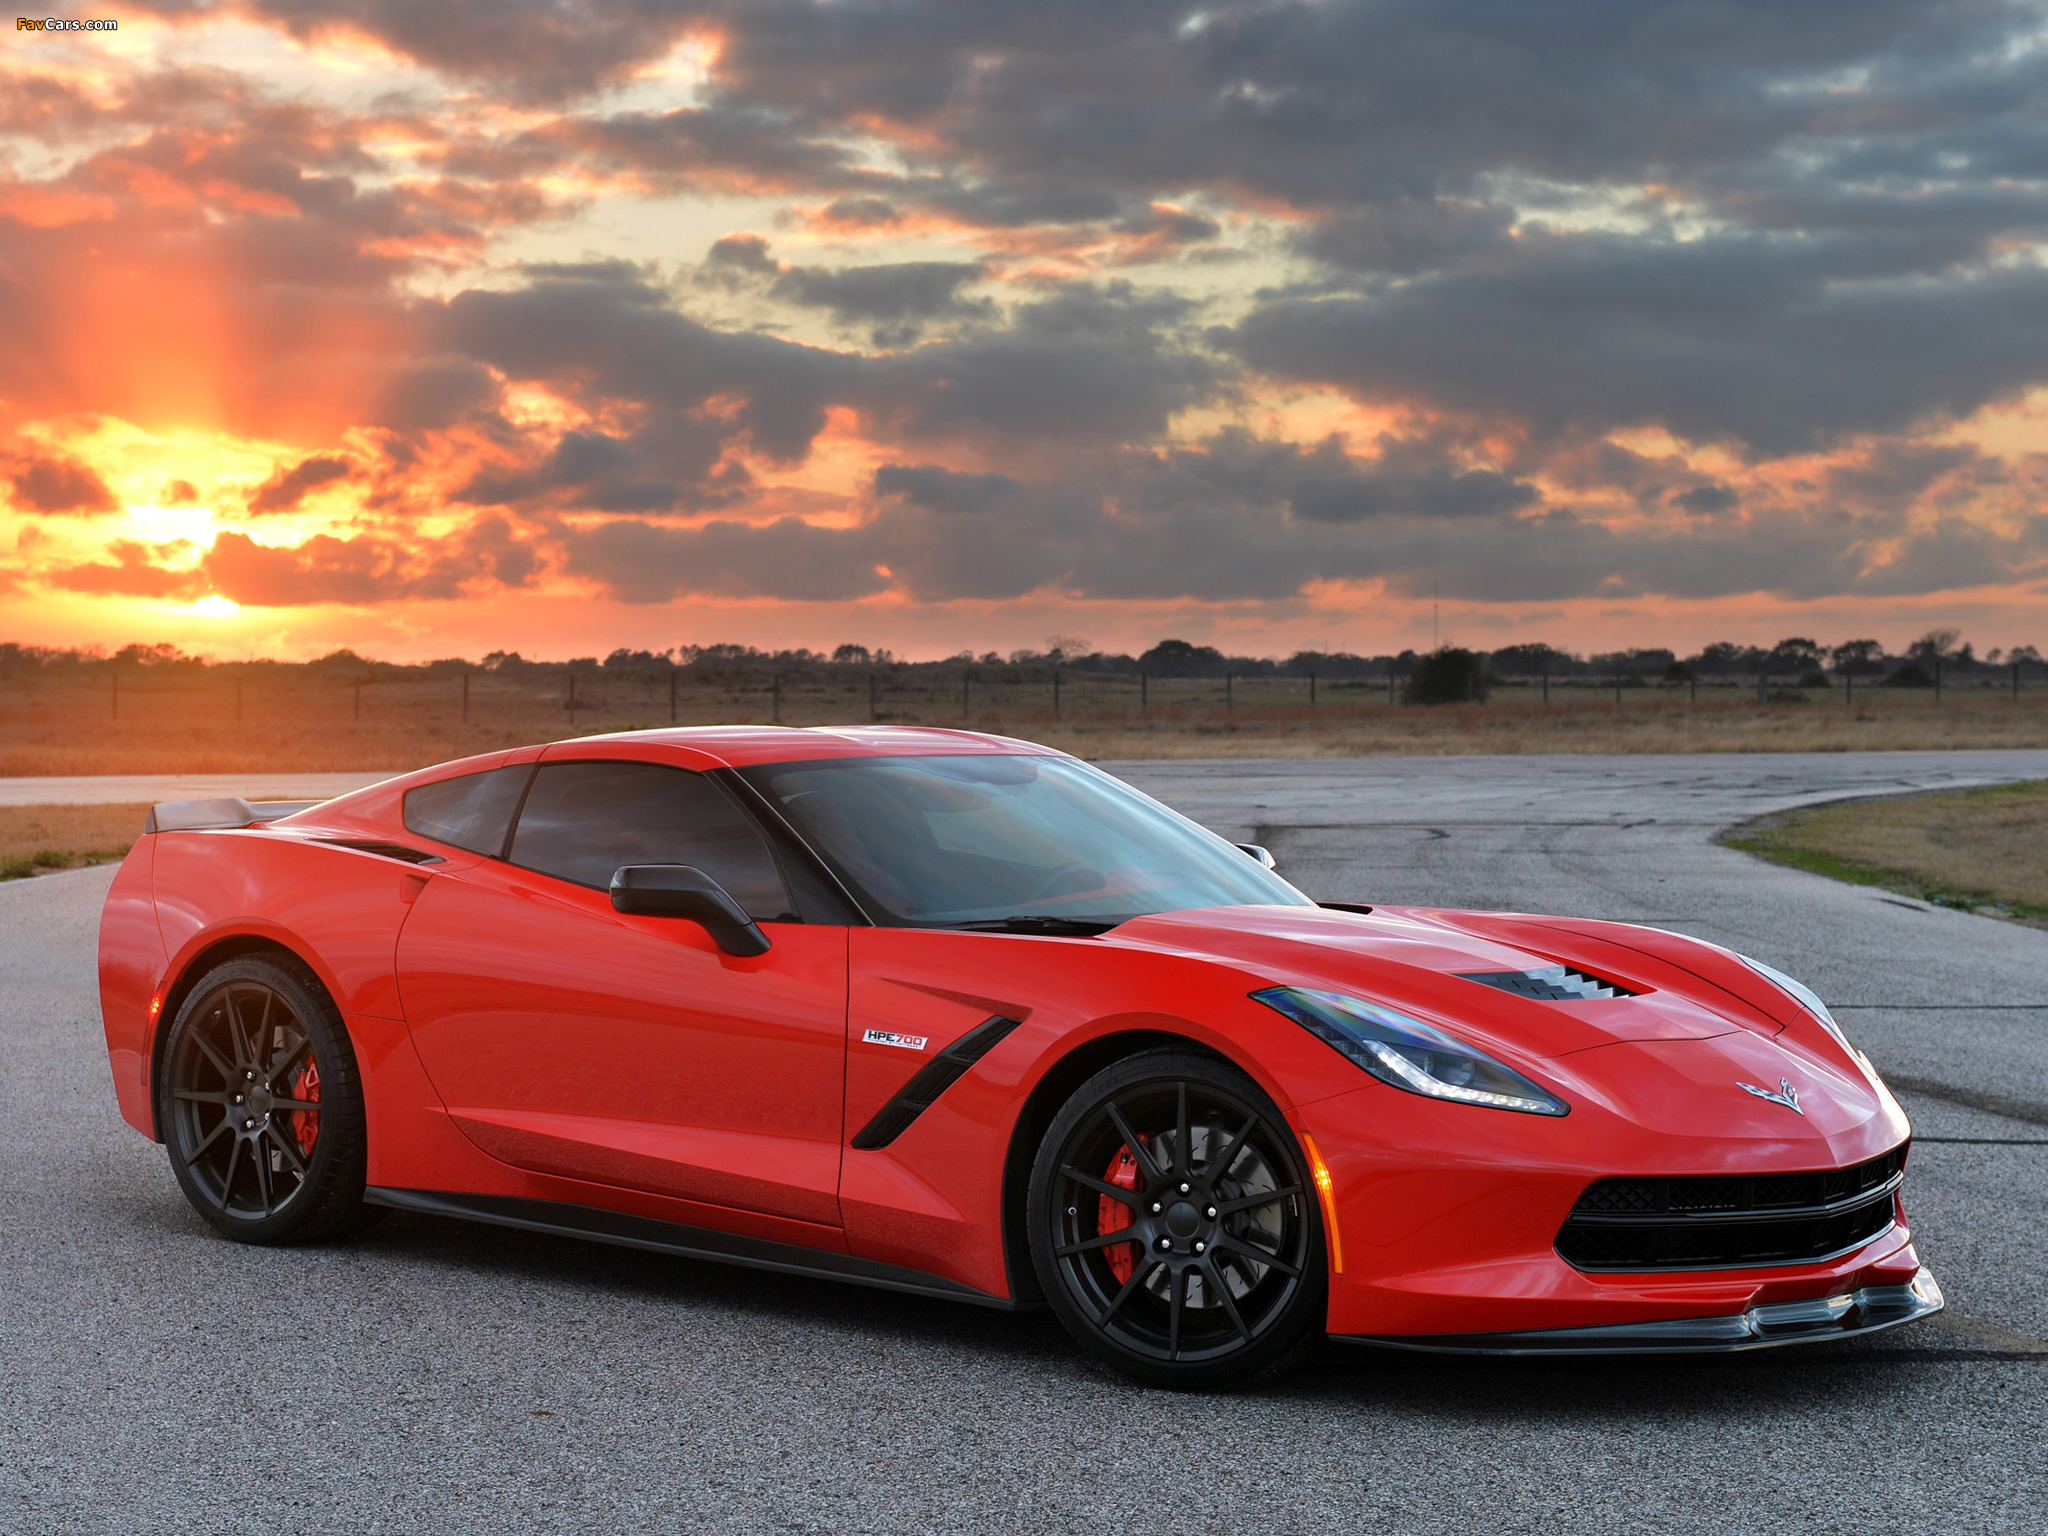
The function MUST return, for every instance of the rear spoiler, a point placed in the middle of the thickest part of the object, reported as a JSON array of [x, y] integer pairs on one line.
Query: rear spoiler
[[219, 815]]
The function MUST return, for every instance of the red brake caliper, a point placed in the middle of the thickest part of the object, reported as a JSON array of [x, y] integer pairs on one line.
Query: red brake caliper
[[1114, 1215], [306, 1122]]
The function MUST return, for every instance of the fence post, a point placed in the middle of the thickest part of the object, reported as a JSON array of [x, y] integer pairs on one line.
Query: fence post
[[572, 701], [1849, 685], [238, 703], [671, 695], [2015, 682], [465, 695], [1390, 685], [1143, 701], [359, 698], [1695, 687], [966, 679], [1937, 679], [874, 708], [1311, 690], [116, 676], [1546, 685], [1617, 690], [778, 698], [1763, 687], [1055, 693], [1229, 691]]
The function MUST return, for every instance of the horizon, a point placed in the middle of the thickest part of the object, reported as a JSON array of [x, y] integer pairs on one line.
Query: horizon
[[1275, 327]]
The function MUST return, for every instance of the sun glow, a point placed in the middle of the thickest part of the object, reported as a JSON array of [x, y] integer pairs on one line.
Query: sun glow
[[214, 606]]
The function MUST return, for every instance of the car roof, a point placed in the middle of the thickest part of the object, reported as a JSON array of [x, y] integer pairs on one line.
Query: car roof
[[741, 746]]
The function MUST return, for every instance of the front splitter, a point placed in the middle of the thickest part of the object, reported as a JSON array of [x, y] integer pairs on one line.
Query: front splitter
[[1869, 1310]]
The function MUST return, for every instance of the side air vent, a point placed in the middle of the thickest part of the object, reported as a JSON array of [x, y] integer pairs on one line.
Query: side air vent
[[384, 850], [931, 1080], [1550, 984]]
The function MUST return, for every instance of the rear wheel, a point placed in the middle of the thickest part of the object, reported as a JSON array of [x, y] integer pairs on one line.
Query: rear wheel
[[1173, 1226], [262, 1106]]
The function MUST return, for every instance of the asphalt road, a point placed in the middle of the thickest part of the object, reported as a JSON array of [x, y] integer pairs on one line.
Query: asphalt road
[[435, 1376]]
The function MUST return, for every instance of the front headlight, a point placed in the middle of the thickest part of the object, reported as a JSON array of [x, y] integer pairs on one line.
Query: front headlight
[[1408, 1054], [1802, 994]]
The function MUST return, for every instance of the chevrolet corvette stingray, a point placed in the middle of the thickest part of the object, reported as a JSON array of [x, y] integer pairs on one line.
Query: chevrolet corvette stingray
[[969, 1018]]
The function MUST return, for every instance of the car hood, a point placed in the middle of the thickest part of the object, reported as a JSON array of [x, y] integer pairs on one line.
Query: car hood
[[1423, 963]]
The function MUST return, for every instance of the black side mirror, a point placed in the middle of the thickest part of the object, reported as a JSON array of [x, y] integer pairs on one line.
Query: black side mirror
[[1265, 859], [677, 890]]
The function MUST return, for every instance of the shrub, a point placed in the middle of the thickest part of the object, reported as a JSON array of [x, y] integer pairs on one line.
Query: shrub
[[1787, 696], [1814, 679], [1446, 676], [1911, 675]]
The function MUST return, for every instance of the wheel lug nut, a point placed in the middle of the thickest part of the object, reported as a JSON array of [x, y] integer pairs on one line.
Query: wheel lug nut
[[1185, 1188], [1157, 1207], [1200, 1246], [1210, 1213], [1166, 1245]]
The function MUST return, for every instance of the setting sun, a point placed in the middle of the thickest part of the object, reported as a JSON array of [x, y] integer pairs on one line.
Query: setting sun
[[214, 606]]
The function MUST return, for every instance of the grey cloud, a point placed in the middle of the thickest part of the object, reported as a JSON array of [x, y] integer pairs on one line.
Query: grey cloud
[[938, 489], [1739, 339], [46, 483], [286, 488]]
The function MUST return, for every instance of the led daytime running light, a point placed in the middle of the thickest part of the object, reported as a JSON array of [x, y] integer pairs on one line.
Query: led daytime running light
[[1408, 1054]]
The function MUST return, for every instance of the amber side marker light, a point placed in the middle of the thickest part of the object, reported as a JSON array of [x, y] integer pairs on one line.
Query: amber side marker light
[[1326, 1193]]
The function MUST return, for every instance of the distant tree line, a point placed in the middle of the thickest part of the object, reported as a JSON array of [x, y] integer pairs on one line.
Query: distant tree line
[[1448, 671]]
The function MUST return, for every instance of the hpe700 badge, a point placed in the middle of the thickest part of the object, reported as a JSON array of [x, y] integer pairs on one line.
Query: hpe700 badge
[[891, 1037]]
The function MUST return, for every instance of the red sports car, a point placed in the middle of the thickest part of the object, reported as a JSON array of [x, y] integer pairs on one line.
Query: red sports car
[[969, 1018]]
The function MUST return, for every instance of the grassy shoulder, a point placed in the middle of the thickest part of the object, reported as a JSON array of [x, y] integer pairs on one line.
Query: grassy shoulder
[[35, 839], [1981, 850]]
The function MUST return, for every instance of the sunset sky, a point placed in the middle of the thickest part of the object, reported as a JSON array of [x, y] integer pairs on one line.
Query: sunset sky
[[434, 329]]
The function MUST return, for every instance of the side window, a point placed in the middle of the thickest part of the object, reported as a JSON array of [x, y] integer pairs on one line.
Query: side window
[[582, 821], [473, 812]]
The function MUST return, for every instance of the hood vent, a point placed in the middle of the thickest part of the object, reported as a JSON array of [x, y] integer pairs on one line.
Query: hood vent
[[1551, 984]]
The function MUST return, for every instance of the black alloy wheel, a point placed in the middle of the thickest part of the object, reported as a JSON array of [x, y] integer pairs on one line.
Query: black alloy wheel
[[261, 1106], [1173, 1224]]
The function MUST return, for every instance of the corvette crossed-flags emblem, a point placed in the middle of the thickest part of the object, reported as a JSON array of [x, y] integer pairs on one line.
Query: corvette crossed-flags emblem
[[1787, 1094]]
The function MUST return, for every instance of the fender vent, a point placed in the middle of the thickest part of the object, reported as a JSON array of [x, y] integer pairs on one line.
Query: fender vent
[[933, 1079], [384, 850], [1550, 984]]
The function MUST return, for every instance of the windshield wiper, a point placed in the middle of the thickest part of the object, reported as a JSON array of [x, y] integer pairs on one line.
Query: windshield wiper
[[1079, 927]]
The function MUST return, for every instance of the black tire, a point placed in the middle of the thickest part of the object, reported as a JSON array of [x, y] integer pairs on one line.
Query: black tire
[[258, 1163], [1224, 1278]]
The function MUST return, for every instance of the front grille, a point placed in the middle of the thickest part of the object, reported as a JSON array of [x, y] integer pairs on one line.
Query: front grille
[[1550, 984], [1717, 1222]]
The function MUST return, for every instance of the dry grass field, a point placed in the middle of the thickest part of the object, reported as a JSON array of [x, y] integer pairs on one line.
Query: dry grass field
[[36, 838], [1979, 849], [304, 723]]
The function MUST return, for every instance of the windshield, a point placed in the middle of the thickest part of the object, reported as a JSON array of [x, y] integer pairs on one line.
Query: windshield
[[934, 841]]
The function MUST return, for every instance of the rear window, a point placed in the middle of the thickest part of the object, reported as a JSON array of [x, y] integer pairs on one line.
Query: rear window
[[473, 812]]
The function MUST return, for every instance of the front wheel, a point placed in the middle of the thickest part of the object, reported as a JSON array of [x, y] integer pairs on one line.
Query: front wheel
[[1173, 1225], [261, 1105]]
